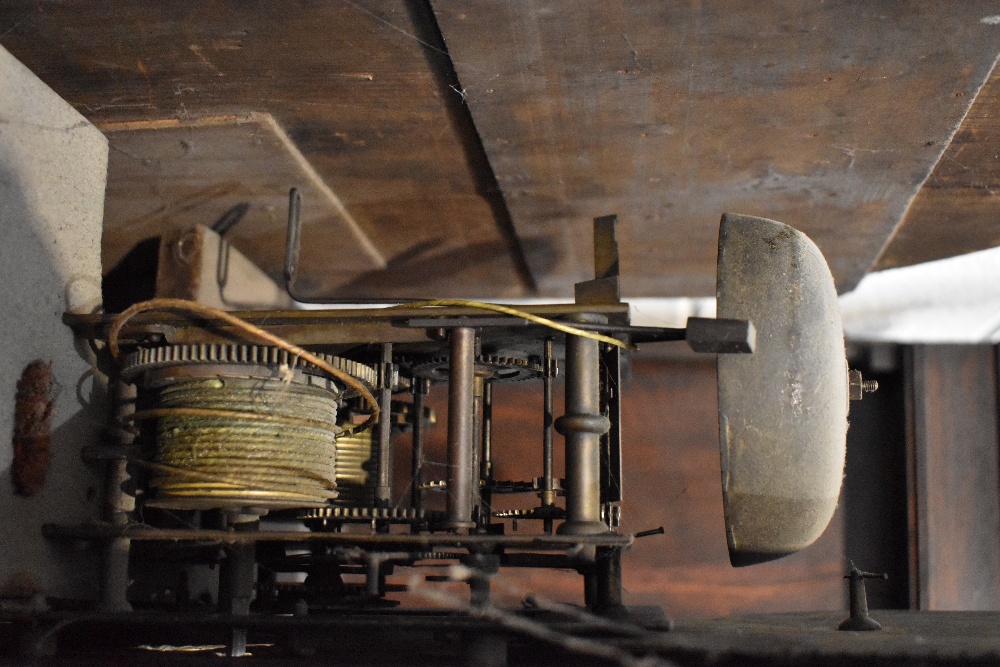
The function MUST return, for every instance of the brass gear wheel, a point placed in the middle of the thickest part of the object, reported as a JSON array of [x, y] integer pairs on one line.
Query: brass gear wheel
[[496, 368], [365, 514], [154, 358]]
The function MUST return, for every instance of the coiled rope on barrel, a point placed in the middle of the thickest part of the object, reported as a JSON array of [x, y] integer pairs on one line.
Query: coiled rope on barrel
[[249, 441], [252, 331]]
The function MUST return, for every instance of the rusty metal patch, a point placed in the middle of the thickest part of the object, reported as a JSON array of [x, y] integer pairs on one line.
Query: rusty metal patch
[[32, 427]]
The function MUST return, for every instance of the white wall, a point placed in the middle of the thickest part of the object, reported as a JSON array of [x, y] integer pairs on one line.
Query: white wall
[[53, 166]]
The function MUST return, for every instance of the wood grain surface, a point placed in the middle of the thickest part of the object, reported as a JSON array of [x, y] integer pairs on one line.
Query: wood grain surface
[[825, 117], [349, 85], [955, 487], [828, 117], [955, 211], [157, 178]]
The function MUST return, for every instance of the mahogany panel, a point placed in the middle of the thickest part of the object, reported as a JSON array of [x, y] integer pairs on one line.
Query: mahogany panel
[[955, 478]]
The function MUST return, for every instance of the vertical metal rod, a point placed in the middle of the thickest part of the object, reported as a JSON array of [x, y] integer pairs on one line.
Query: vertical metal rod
[[858, 598], [374, 581], [859, 619], [238, 583], [461, 436], [479, 588], [383, 489], [293, 238], [548, 494], [117, 503], [486, 460], [611, 442], [582, 427], [609, 580], [548, 484], [590, 594], [115, 557], [478, 388], [420, 388]]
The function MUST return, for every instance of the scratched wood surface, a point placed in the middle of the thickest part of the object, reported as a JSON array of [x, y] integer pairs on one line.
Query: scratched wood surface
[[349, 85], [826, 117], [955, 487], [956, 209], [157, 178], [671, 479]]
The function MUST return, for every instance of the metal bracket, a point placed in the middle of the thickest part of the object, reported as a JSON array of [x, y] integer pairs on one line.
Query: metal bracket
[[606, 286], [721, 336], [293, 247]]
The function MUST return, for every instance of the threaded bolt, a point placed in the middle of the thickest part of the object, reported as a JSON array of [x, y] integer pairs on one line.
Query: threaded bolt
[[857, 386]]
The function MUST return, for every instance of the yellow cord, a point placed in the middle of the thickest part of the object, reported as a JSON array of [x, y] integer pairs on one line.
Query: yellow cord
[[506, 310], [201, 310]]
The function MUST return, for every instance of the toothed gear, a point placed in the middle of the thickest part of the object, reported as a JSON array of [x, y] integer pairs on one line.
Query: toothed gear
[[496, 368], [533, 513], [238, 355], [397, 514]]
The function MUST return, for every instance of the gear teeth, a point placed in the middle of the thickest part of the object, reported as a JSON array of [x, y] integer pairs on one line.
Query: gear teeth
[[499, 368], [400, 514], [152, 358]]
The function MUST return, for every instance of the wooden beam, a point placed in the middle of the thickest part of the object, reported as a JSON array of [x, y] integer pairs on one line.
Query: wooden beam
[[348, 84], [955, 211], [826, 117]]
